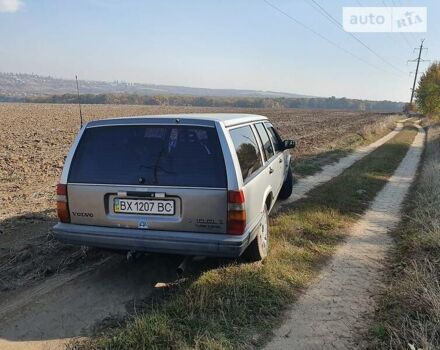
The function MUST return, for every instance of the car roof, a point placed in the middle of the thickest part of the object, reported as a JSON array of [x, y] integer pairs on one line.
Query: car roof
[[228, 119]]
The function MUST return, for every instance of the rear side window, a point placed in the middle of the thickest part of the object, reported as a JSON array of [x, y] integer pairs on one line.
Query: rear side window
[[149, 155], [275, 138], [247, 150], [267, 146]]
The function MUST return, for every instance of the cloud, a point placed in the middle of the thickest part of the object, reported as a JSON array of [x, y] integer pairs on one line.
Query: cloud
[[10, 5]]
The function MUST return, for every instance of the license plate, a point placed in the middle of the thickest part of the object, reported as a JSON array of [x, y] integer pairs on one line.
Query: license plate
[[143, 206]]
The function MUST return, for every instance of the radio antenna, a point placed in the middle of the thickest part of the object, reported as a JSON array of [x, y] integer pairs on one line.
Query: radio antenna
[[79, 101]]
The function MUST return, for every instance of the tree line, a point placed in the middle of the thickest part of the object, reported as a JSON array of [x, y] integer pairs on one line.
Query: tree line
[[428, 91], [205, 101]]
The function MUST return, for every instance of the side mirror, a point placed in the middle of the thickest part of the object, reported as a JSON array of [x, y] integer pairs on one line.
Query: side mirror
[[288, 144]]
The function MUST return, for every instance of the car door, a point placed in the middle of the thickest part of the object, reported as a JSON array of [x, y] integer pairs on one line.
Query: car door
[[282, 160], [272, 162]]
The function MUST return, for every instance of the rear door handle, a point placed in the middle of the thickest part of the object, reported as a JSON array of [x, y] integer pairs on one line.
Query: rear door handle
[[270, 170], [280, 160]]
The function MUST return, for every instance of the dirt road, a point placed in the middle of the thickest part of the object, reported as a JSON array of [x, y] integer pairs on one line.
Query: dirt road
[[329, 314]]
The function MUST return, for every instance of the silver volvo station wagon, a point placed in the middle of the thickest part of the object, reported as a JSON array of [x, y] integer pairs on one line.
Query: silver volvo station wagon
[[196, 184]]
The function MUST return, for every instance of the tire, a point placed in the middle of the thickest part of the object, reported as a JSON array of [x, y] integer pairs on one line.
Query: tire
[[286, 189], [259, 247]]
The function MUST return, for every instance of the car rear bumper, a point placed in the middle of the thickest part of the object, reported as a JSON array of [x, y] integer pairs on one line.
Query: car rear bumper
[[185, 243]]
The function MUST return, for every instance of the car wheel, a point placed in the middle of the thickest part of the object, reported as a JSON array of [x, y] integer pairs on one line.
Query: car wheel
[[259, 247], [286, 189]]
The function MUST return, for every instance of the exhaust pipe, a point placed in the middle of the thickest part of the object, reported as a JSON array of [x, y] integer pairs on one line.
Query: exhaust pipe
[[182, 267], [184, 264], [130, 255]]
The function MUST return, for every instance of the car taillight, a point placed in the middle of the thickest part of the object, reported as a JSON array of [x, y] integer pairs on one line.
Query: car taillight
[[236, 213], [62, 207]]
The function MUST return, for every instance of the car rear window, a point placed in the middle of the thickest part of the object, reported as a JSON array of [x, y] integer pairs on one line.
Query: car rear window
[[149, 155], [247, 149]]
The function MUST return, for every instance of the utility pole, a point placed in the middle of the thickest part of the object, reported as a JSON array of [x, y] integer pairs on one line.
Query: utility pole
[[418, 60]]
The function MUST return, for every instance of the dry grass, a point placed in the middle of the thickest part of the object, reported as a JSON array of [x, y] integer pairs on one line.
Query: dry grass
[[379, 127], [409, 310]]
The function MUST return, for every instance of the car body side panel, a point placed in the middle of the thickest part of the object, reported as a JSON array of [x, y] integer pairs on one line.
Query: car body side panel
[[255, 192]]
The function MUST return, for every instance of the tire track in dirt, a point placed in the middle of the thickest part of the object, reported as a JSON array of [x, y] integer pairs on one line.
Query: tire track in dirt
[[66, 307], [329, 314]]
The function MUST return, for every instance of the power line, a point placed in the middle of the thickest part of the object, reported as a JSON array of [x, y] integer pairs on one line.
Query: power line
[[406, 40], [410, 34], [413, 36], [325, 13], [333, 20], [402, 35], [409, 37], [322, 36]]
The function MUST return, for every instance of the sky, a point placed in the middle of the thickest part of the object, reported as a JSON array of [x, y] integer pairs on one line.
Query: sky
[[238, 44]]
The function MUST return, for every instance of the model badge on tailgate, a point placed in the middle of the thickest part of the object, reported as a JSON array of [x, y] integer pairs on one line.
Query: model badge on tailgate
[[87, 215], [209, 223]]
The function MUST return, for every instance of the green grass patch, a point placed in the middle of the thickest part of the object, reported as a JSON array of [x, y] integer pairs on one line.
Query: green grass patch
[[379, 331], [225, 307], [309, 165]]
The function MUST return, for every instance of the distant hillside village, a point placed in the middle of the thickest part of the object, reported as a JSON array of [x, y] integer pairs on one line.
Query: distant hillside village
[[28, 88]]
